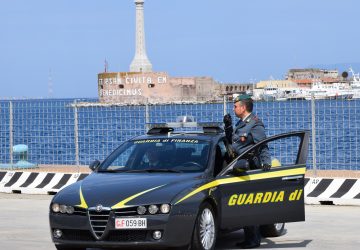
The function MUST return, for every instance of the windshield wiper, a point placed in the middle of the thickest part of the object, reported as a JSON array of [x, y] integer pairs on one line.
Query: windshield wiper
[[152, 170], [112, 170], [163, 170], [146, 170]]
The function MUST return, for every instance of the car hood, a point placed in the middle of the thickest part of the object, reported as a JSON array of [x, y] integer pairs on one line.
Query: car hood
[[117, 190]]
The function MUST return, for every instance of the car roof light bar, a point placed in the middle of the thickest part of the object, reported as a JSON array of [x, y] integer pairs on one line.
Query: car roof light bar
[[184, 122], [157, 130], [162, 128]]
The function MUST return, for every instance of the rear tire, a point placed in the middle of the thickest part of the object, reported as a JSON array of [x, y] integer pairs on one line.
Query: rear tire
[[205, 231], [272, 230]]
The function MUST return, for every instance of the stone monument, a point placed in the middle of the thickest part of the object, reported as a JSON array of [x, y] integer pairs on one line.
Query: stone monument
[[140, 63]]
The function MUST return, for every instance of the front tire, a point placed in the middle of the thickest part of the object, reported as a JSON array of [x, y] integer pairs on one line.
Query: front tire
[[272, 230], [205, 231]]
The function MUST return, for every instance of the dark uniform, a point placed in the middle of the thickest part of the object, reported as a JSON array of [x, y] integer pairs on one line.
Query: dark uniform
[[244, 135]]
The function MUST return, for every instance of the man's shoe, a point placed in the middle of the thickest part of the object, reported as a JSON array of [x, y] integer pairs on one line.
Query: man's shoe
[[248, 245]]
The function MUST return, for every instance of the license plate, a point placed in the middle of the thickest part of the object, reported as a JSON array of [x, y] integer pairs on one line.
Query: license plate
[[130, 223]]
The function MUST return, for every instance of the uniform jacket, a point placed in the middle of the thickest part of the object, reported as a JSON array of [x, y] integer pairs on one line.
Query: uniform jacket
[[247, 133]]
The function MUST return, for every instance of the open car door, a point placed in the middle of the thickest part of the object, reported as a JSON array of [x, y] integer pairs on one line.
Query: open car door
[[256, 197]]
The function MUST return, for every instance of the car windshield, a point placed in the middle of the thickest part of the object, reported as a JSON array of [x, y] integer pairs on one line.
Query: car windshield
[[158, 155]]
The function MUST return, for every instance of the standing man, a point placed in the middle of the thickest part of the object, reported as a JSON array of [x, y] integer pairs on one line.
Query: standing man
[[248, 131]]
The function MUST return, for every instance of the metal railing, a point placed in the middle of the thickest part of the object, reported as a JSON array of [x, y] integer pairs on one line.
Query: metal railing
[[74, 132]]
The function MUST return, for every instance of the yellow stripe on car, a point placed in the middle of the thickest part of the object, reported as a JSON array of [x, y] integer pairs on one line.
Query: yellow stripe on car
[[259, 176], [122, 204], [82, 201]]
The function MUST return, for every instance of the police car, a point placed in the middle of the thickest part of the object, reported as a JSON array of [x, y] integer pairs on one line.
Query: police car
[[181, 189]]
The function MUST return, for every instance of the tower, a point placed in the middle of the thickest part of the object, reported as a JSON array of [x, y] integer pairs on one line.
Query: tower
[[140, 63]]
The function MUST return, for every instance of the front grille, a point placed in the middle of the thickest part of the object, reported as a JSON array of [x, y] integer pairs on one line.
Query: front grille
[[98, 221], [79, 211], [129, 211], [77, 235], [127, 235]]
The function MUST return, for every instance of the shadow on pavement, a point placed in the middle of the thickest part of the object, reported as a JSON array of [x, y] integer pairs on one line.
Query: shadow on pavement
[[267, 243], [228, 241]]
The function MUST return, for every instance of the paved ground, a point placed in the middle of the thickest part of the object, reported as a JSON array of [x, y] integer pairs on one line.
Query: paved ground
[[24, 226]]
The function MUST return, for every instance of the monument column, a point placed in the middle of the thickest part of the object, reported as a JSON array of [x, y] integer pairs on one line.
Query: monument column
[[140, 63]]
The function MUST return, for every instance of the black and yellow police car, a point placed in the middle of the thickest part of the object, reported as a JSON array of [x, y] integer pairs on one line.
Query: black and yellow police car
[[181, 189]]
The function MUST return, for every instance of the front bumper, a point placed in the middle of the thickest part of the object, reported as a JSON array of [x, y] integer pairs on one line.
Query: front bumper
[[77, 231]]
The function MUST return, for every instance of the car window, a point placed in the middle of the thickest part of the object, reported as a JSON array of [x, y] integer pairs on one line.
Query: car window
[[222, 148], [283, 152], [123, 158], [220, 157], [183, 155]]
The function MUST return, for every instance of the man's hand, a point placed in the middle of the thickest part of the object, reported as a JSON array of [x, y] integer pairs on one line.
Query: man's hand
[[265, 167], [227, 120]]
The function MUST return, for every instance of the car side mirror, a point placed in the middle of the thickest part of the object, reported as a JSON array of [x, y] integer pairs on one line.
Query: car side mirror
[[94, 165], [241, 166]]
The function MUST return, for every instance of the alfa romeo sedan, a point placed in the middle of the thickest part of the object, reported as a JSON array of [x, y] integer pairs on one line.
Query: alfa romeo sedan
[[181, 189]]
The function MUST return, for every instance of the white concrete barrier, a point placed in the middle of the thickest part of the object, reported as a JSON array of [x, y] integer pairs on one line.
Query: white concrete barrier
[[337, 191], [36, 182]]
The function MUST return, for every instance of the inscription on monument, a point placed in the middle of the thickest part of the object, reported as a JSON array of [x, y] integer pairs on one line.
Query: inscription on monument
[[130, 84], [119, 92], [133, 80]]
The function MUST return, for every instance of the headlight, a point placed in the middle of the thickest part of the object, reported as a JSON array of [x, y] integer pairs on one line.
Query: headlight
[[141, 210], [62, 209], [69, 209], [165, 208], [55, 207], [153, 209]]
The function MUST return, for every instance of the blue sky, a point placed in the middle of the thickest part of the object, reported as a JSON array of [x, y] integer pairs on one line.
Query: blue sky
[[232, 41]]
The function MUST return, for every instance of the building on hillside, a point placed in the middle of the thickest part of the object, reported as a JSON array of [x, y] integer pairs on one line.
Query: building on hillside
[[284, 84], [235, 88], [275, 86], [311, 73]]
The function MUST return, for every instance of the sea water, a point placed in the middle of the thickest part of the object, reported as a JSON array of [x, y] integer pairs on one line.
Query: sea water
[[58, 133]]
